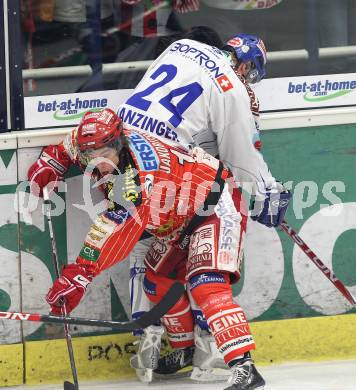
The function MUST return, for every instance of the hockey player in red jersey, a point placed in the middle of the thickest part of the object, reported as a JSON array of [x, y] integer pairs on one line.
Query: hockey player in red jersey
[[189, 203]]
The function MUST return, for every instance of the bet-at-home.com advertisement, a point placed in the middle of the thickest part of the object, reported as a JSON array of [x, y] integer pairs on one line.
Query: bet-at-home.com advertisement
[[287, 93]]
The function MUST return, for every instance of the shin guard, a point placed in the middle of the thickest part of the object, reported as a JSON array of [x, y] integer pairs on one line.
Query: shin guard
[[179, 321], [227, 321]]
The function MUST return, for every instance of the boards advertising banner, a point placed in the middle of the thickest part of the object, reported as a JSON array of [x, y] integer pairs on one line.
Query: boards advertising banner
[[278, 94]]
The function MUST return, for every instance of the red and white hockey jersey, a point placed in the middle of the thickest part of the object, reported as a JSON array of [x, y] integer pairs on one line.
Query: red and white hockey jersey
[[157, 188]]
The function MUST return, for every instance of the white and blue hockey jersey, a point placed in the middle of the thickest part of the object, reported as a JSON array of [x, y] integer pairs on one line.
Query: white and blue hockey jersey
[[191, 95]]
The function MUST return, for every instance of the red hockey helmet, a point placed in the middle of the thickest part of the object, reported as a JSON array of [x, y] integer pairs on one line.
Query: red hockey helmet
[[98, 129]]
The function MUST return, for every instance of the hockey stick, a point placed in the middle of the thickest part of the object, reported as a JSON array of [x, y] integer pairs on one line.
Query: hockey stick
[[315, 259], [67, 385], [151, 317]]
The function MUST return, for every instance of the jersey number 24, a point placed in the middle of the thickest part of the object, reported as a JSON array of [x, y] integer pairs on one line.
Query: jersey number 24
[[189, 93]]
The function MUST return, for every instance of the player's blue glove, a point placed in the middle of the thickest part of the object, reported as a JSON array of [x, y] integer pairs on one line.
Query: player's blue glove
[[272, 209]]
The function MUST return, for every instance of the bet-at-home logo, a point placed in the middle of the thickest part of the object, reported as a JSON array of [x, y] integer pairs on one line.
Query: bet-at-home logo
[[71, 109], [322, 90]]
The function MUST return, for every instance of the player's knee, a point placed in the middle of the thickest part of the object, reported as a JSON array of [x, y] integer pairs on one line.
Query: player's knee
[[210, 288], [156, 287]]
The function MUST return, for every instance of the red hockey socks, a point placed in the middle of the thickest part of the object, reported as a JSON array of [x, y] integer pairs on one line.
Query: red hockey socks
[[212, 292], [179, 321]]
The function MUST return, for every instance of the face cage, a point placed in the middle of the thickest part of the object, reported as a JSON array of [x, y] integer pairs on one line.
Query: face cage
[[253, 76], [84, 158], [87, 155]]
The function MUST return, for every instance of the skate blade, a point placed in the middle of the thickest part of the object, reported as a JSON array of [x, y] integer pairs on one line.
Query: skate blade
[[210, 375], [183, 373]]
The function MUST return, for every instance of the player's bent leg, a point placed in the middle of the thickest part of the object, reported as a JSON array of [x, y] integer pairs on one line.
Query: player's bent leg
[[179, 322], [140, 303], [229, 326], [149, 343], [175, 363]]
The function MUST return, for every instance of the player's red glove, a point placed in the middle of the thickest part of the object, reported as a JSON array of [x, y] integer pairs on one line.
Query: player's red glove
[[69, 288], [45, 170]]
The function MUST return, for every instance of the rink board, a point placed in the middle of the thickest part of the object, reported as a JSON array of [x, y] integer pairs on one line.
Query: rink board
[[11, 365], [280, 288], [97, 358], [107, 357]]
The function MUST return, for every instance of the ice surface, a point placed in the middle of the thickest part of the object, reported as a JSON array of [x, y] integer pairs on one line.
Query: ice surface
[[337, 375]]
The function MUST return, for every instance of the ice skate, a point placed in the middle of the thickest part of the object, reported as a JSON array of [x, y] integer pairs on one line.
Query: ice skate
[[245, 376], [208, 363], [147, 356], [173, 365]]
